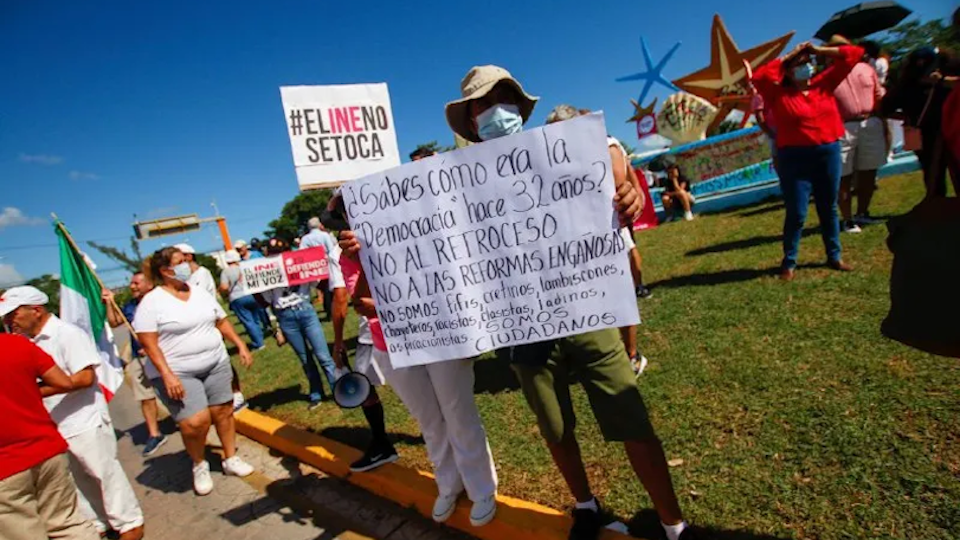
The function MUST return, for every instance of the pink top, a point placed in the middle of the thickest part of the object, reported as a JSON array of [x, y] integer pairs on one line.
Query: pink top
[[351, 275], [757, 104], [860, 93]]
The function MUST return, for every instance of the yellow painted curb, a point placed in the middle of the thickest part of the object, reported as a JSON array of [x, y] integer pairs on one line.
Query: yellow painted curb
[[516, 519]]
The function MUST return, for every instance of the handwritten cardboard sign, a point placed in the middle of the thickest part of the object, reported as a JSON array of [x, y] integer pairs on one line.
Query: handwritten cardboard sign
[[339, 132], [289, 268], [503, 243]]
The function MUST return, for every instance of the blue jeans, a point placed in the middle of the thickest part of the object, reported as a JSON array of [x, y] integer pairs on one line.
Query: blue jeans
[[806, 169], [248, 311], [301, 326]]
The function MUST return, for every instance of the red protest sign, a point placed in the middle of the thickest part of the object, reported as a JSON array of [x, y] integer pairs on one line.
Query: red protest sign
[[305, 265]]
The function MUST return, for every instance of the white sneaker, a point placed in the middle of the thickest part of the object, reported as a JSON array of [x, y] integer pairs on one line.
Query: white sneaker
[[483, 511], [202, 482], [851, 227], [237, 467], [688, 216], [444, 506], [238, 402]]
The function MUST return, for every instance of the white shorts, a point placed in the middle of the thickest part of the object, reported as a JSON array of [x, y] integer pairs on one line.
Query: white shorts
[[368, 361], [864, 146], [627, 234]]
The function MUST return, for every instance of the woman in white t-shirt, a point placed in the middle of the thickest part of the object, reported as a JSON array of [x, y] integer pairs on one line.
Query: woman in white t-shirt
[[181, 330]]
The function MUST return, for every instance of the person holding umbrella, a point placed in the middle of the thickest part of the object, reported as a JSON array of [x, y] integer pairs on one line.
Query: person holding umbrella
[[809, 128]]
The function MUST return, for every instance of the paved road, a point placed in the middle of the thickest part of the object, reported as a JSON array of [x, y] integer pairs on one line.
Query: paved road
[[283, 499]]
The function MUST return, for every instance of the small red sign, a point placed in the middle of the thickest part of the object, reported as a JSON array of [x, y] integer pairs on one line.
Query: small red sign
[[305, 265]]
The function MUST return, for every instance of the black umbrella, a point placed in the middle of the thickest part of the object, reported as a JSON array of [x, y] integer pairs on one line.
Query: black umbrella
[[863, 19]]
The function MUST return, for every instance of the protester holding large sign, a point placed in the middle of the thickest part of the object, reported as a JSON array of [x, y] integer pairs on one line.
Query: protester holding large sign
[[518, 247]]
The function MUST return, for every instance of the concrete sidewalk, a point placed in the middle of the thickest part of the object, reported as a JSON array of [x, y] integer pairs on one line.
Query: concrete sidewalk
[[283, 499]]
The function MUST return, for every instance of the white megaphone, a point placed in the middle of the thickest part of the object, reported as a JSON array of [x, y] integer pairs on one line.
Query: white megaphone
[[351, 390]]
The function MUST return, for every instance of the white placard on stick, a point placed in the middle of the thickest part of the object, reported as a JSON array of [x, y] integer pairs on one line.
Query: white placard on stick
[[339, 132], [508, 242]]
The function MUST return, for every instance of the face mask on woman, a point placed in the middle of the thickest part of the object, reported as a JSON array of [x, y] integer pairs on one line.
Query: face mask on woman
[[804, 72], [500, 120], [181, 271]]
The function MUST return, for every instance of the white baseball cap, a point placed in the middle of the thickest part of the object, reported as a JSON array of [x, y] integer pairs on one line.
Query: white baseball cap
[[185, 248], [21, 296], [232, 256], [239, 244]]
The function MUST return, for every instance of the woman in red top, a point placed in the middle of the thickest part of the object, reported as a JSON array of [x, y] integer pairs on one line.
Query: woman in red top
[[808, 130]]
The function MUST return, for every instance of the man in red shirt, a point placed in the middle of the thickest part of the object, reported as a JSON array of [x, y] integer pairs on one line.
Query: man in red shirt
[[38, 498]]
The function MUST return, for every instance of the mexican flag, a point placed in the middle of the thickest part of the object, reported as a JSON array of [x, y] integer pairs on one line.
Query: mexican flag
[[80, 305]]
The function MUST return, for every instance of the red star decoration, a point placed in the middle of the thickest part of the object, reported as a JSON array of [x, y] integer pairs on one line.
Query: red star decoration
[[723, 80]]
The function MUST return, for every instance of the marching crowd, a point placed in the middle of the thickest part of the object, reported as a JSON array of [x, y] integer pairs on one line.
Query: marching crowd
[[59, 472]]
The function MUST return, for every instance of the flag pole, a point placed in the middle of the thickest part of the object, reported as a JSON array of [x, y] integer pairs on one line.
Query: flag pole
[[76, 248]]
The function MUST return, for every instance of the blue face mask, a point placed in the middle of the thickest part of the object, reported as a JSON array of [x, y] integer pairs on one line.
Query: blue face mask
[[499, 121], [804, 72], [182, 271]]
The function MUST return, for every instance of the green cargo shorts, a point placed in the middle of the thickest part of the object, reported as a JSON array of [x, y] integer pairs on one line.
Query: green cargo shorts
[[600, 362]]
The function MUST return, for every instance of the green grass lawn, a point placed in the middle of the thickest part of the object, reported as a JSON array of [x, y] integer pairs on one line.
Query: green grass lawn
[[793, 416]]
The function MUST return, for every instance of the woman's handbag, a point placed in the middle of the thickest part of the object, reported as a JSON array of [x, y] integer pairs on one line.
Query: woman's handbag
[[912, 135]]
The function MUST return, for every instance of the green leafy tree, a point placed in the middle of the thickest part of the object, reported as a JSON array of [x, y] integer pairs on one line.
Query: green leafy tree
[[210, 264], [130, 261], [904, 38], [433, 146], [292, 222], [50, 285]]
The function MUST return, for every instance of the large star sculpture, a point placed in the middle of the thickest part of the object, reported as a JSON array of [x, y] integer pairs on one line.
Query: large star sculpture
[[639, 112], [654, 73], [723, 80]]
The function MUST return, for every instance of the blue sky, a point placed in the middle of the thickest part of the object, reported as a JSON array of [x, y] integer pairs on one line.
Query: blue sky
[[111, 109]]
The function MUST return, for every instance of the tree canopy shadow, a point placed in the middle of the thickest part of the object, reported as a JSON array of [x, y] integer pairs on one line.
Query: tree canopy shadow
[[646, 524], [746, 243]]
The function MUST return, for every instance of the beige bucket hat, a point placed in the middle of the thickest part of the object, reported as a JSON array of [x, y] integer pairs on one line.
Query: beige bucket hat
[[479, 81]]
